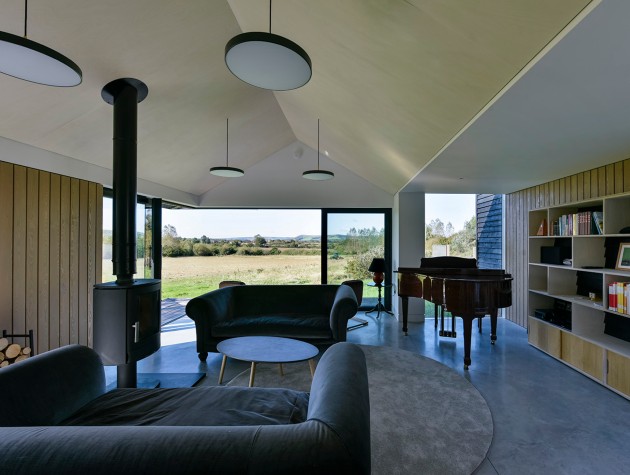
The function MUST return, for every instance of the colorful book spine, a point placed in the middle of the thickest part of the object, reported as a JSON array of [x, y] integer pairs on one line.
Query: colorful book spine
[[612, 296], [619, 297]]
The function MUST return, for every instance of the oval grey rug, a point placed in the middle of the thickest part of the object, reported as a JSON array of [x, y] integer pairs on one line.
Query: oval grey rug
[[425, 417]]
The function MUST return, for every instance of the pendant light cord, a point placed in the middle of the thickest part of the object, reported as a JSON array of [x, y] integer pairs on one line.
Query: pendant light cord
[[227, 141], [270, 16], [25, 15]]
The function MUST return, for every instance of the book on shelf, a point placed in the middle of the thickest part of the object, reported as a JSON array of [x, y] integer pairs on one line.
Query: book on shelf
[[598, 220], [619, 297], [582, 223]]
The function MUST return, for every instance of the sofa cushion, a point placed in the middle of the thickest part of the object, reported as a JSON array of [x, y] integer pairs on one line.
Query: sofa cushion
[[205, 406], [298, 326]]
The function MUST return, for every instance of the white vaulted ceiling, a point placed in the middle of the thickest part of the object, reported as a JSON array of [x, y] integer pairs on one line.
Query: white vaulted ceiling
[[418, 95]]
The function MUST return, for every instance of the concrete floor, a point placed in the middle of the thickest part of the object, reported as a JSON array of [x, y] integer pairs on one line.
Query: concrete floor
[[548, 418]]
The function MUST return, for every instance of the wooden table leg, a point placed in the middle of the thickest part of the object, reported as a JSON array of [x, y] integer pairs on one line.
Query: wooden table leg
[[252, 374], [222, 369], [281, 371], [311, 364]]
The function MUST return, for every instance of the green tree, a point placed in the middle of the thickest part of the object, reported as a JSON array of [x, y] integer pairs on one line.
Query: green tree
[[464, 242], [259, 241]]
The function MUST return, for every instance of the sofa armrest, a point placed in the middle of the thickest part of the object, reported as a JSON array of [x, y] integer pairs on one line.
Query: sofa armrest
[[49, 387], [210, 308], [340, 399], [344, 307]]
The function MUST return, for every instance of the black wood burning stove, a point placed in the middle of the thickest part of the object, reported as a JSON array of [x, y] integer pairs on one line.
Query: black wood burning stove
[[127, 311]]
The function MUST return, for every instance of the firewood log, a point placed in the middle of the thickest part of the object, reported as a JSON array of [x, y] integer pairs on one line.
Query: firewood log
[[4, 363], [3, 343], [20, 358], [1, 356], [26, 351], [12, 351]]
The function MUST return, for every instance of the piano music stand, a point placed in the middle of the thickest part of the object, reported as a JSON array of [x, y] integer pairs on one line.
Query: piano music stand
[[379, 305]]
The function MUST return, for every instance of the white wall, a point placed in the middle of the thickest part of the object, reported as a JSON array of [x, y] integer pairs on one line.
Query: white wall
[[408, 244], [277, 182]]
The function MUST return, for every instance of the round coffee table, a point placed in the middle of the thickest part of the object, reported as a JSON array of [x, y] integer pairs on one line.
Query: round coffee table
[[266, 349]]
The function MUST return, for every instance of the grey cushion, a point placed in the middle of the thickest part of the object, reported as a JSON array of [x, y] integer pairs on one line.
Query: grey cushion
[[205, 406]]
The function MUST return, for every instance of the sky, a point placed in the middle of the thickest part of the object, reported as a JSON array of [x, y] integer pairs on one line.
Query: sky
[[223, 223]]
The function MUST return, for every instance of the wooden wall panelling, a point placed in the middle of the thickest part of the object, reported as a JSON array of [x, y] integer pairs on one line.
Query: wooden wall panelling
[[74, 260], [99, 234], [580, 186], [91, 257], [509, 249], [43, 264], [64, 263], [562, 191], [51, 240], [626, 175], [19, 249], [54, 260], [574, 186], [601, 181], [83, 263], [547, 196], [610, 179], [595, 183], [618, 177], [6, 246], [587, 185], [32, 248]]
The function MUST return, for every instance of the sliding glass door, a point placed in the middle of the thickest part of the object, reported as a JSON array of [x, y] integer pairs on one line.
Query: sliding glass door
[[351, 239]]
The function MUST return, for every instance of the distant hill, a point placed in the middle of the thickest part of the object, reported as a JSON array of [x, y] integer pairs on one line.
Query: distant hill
[[301, 238]]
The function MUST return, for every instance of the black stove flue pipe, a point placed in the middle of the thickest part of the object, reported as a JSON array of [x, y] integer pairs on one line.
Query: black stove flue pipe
[[125, 94]]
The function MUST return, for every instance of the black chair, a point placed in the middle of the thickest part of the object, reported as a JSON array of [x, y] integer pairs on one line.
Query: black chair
[[230, 283], [357, 286]]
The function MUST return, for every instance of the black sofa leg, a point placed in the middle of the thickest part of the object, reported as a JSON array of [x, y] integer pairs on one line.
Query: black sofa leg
[[203, 356]]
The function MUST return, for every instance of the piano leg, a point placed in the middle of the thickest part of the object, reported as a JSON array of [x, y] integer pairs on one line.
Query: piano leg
[[436, 313], [493, 326], [405, 312], [468, 321]]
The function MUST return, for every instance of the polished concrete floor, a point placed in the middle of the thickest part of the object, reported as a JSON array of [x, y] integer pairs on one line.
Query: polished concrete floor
[[548, 418]]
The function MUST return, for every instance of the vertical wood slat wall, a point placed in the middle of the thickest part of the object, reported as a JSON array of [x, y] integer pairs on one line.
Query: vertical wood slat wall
[[50, 255], [596, 183]]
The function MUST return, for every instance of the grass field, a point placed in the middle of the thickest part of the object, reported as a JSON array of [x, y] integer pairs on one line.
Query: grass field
[[187, 277]]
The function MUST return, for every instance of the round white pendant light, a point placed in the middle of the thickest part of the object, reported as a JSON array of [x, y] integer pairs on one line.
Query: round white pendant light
[[268, 61], [25, 59], [227, 171], [318, 175]]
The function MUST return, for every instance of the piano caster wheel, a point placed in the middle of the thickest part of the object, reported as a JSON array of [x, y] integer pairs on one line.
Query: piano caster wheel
[[465, 367], [406, 334], [492, 342]]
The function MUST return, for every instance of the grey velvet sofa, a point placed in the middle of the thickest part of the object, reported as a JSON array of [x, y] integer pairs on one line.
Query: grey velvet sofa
[[56, 418], [317, 314]]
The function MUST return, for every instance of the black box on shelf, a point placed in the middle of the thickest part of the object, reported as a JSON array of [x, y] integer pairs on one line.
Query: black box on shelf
[[589, 283], [617, 326], [554, 254], [560, 315], [545, 314]]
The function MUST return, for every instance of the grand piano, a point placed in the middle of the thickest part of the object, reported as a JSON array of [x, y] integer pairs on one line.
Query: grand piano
[[468, 293]]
